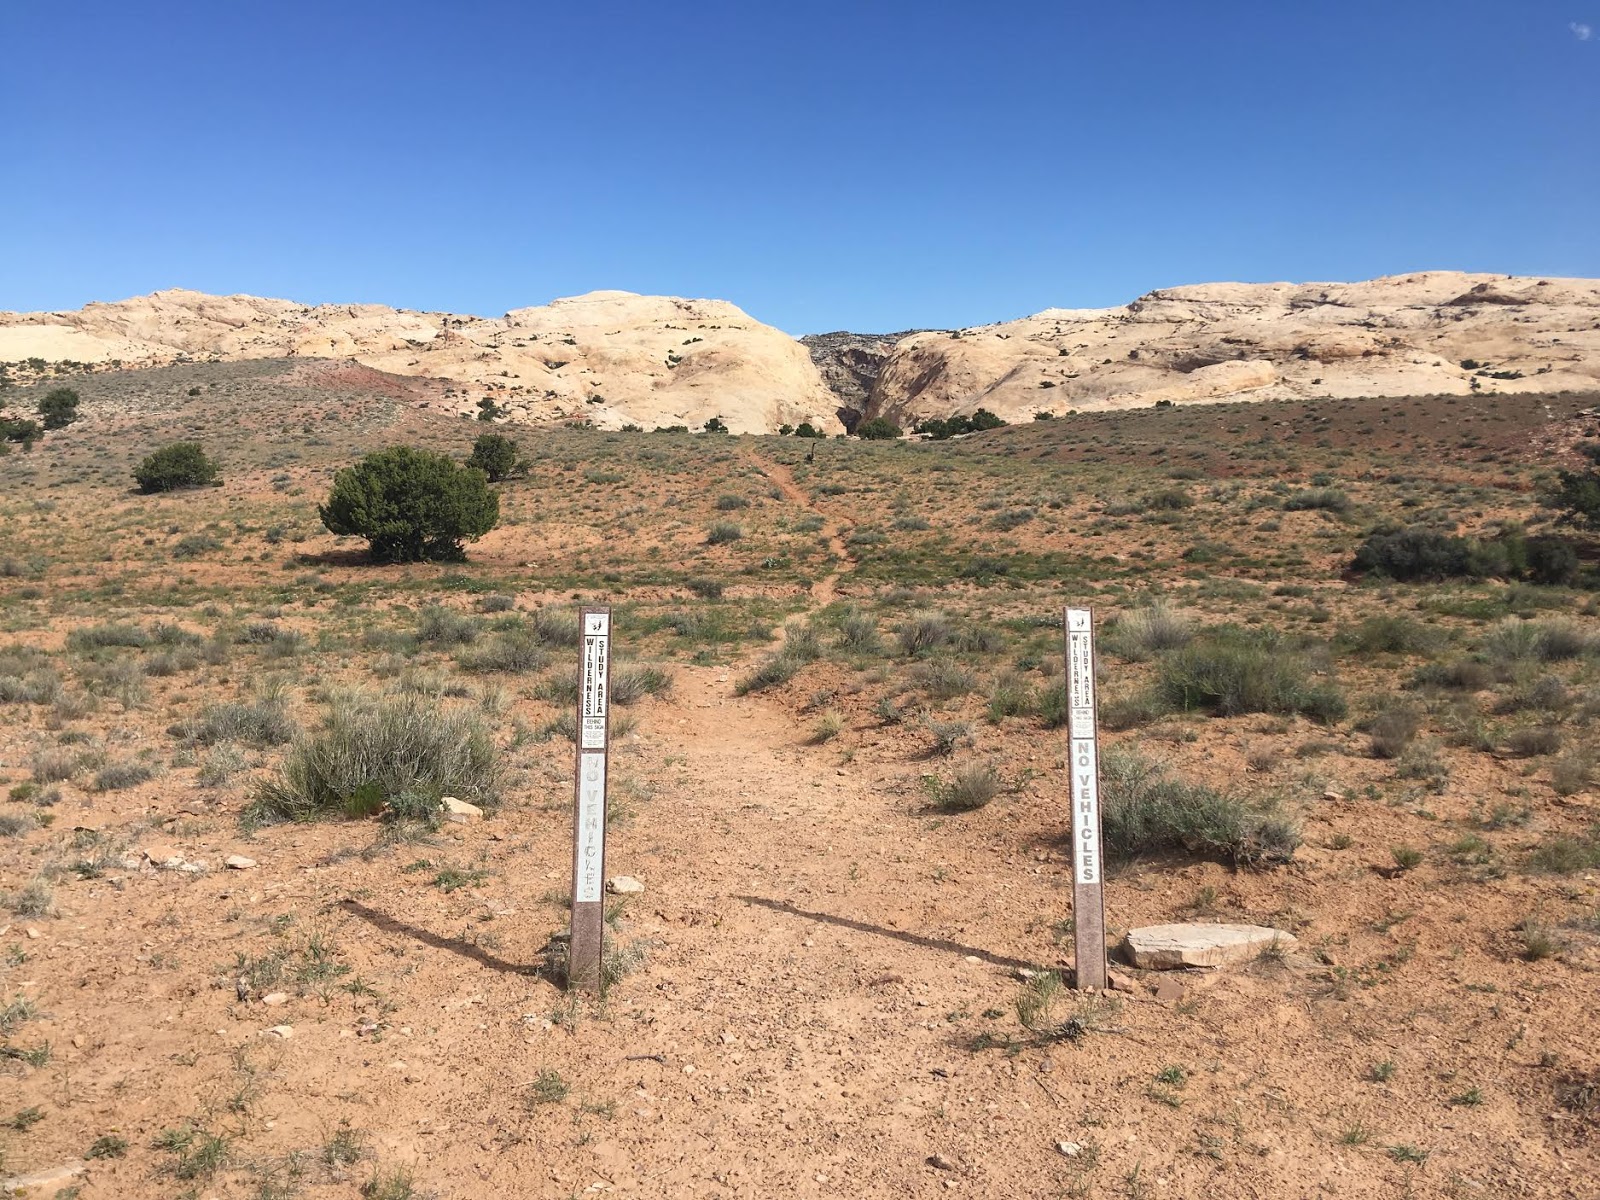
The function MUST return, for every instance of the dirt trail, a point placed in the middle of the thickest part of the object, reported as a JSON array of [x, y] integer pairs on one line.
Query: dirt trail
[[824, 590]]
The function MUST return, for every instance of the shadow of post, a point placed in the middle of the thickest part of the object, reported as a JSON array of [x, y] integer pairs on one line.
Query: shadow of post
[[913, 939], [546, 968]]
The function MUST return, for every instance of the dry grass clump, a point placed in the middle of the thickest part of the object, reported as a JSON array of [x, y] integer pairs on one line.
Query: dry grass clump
[[1147, 809], [1143, 633], [1230, 673], [923, 632], [971, 786], [401, 752]]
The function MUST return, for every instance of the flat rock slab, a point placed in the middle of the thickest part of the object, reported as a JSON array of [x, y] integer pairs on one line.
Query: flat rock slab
[[1165, 947], [63, 1174]]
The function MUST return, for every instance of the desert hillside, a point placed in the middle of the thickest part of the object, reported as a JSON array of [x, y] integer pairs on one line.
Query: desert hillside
[[616, 358], [613, 358], [1406, 335]]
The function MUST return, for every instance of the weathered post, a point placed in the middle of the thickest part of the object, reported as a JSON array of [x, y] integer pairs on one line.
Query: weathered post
[[1088, 884], [589, 813]]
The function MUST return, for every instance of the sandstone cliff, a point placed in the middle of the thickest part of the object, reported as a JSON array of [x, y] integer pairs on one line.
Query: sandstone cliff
[[612, 358], [1396, 336]]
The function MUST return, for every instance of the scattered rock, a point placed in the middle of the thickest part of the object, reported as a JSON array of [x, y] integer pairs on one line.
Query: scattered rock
[[238, 862], [275, 999], [1333, 794], [1070, 1149], [624, 885], [1164, 947], [281, 1031], [940, 1163], [163, 856], [49, 1178], [1120, 982], [460, 811], [1169, 991]]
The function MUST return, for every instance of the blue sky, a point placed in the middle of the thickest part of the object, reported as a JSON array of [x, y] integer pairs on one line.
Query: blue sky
[[864, 165]]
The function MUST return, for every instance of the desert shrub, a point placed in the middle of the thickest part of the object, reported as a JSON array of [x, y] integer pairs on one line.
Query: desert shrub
[[972, 638], [1168, 500], [1516, 640], [1464, 675], [1392, 635], [1328, 499], [729, 503], [970, 787], [20, 430], [632, 682], [1564, 854], [942, 679], [220, 764], [923, 632], [948, 734], [115, 776], [411, 505], [1145, 809], [1416, 553], [1577, 494], [706, 589], [721, 533], [1394, 729], [555, 626], [1532, 741], [59, 408], [1552, 561], [1009, 696], [878, 429], [1141, 633], [496, 603], [801, 641], [38, 686], [771, 671], [404, 752], [516, 651], [858, 632], [447, 627], [193, 545], [180, 465], [1573, 772], [496, 456], [1234, 674], [98, 637], [260, 723]]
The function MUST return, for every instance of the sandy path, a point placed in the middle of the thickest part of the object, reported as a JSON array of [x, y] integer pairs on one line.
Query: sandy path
[[824, 590]]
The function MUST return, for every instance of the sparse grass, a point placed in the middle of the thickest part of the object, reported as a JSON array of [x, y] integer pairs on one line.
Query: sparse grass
[[390, 1183], [1565, 854], [1145, 808], [1236, 674]]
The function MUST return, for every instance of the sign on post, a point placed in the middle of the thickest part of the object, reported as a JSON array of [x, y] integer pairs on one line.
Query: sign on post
[[589, 814], [1088, 884]]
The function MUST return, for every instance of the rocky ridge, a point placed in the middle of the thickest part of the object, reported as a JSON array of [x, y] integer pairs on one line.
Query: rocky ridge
[[616, 358]]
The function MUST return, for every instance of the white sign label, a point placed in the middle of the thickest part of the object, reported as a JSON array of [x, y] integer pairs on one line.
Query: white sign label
[[590, 869], [1085, 765], [1085, 812], [596, 650]]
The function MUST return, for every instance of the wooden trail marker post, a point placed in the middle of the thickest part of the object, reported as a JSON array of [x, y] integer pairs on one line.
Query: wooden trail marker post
[[1088, 883], [589, 811]]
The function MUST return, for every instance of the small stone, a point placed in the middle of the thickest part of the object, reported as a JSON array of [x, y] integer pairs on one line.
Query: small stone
[[624, 885], [1164, 947], [1333, 794], [281, 1031], [238, 862], [460, 811], [163, 856], [940, 1163], [1070, 1149], [77, 1041], [192, 868], [274, 999], [1120, 982], [31, 932]]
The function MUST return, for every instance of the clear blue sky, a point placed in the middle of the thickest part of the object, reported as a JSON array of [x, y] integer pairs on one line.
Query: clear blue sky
[[825, 165]]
